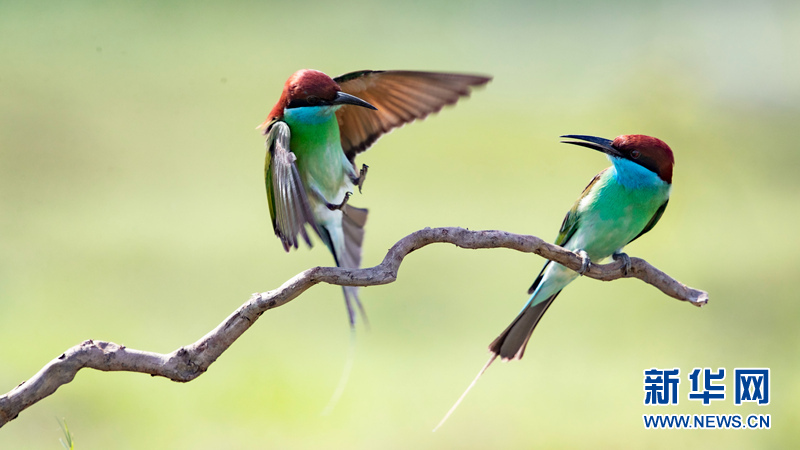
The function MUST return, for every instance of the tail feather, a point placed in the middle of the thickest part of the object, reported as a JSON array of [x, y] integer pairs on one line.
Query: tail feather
[[350, 298], [469, 388], [353, 221], [349, 257], [345, 377], [512, 342]]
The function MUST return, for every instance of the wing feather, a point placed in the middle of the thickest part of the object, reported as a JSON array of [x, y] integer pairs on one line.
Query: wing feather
[[288, 203], [568, 228], [653, 221], [400, 96]]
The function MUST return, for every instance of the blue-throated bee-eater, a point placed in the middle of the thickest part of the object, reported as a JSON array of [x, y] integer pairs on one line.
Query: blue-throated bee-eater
[[620, 204], [314, 133]]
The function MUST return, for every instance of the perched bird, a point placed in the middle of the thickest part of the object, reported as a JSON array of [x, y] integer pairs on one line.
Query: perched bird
[[314, 133], [620, 204]]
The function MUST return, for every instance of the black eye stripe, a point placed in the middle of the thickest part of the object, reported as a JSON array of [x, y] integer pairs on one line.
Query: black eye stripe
[[310, 101]]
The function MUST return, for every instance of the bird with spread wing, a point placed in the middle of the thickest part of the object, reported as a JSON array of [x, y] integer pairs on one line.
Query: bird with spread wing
[[314, 133]]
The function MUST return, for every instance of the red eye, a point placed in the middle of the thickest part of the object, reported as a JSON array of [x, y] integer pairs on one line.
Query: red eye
[[635, 154]]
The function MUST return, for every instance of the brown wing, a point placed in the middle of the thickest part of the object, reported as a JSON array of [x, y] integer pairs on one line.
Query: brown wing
[[400, 96]]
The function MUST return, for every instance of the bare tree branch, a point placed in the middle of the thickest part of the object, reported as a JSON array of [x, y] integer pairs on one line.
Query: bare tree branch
[[191, 361]]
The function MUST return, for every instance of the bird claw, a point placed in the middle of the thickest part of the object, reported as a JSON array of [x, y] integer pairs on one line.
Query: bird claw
[[585, 262], [334, 207], [362, 175], [624, 257]]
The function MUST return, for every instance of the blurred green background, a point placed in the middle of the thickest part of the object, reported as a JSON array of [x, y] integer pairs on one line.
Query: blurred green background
[[132, 209]]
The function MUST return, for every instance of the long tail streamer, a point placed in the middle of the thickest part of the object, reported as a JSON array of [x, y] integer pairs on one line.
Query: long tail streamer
[[458, 402], [343, 379]]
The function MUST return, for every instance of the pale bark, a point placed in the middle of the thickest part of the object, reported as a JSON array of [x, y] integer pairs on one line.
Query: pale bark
[[190, 361]]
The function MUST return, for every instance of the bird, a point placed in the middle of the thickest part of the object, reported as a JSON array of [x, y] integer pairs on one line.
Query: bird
[[620, 204], [313, 134]]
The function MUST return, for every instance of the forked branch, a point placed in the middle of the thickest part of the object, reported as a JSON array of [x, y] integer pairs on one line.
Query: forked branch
[[191, 361]]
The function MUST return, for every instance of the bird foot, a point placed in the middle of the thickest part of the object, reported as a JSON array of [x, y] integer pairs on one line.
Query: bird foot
[[362, 175], [627, 259], [585, 261], [334, 207]]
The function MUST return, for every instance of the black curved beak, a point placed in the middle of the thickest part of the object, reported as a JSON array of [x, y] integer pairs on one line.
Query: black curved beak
[[593, 142], [343, 98]]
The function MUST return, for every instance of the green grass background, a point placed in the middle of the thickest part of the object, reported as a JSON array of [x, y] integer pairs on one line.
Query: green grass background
[[132, 209]]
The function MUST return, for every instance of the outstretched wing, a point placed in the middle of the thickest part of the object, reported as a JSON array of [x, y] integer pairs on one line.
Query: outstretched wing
[[400, 96], [288, 203]]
